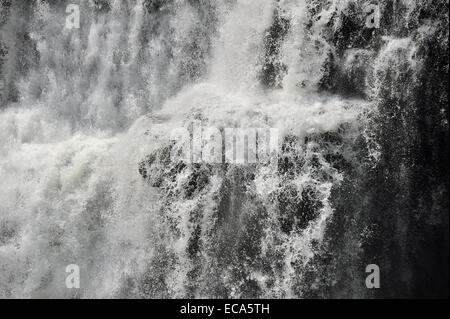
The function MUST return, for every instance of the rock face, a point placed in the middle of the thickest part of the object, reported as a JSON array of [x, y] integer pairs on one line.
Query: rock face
[[404, 199], [91, 168]]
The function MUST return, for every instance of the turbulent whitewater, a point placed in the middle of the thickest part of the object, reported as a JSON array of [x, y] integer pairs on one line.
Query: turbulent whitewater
[[86, 175]]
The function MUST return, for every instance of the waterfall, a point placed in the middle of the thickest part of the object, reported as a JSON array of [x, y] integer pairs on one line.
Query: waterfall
[[87, 177]]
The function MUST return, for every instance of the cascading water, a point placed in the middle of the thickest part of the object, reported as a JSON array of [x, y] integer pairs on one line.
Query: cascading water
[[86, 175]]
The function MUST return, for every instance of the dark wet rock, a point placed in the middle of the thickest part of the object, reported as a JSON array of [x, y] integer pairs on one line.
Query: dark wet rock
[[153, 6], [395, 213], [102, 6], [354, 70], [8, 230], [197, 181], [273, 70], [297, 210]]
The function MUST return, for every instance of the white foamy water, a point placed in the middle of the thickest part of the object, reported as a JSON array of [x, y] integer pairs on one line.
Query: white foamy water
[[88, 112]]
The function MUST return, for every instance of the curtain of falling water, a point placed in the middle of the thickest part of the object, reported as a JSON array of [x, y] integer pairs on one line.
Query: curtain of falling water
[[74, 130]]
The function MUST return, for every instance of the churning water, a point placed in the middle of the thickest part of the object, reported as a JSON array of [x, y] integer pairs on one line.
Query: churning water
[[85, 128]]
